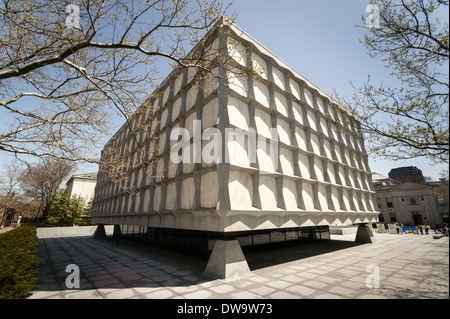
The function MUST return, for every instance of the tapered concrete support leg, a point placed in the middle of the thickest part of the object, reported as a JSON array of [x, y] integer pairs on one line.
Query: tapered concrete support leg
[[227, 261], [117, 232], [100, 232], [364, 235]]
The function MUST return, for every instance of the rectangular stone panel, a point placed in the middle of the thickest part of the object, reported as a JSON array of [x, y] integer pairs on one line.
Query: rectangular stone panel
[[240, 188]]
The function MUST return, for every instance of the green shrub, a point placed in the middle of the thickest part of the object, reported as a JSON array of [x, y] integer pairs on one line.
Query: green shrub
[[65, 211], [18, 263]]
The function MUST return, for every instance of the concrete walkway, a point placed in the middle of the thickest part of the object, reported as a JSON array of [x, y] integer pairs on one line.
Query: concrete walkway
[[409, 266]]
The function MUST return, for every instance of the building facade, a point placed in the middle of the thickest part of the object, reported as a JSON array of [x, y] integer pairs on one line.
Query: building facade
[[303, 171], [410, 203], [82, 185]]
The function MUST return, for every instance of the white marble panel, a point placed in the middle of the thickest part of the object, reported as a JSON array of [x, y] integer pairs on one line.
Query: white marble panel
[[177, 83], [318, 167], [361, 201], [346, 199], [192, 72], [210, 114], [327, 148], [166, 95], [130, 203], [189, 124], [238, 153], [278, 77], [364, 181], [369, 202], [298, 112], [263, 123], [187, 193], [300, 136], [173, 141], [191, 97], [157, 198], [322, 196], [324, 126], [268, 192], [284, 131], [240, 188], [176, 107], [160, 170], [209, 190], [211, 149], [266, 162], [335, 132], [337, 152], [320, 105], [188, 166], [330, 171], [238, 113], [260, 66], [172, 169], [281, 103], [261, 93], [290, 194], [286, 161], [312, 120], [146, 203], [171, 195], [238, 83], [308, 97], [315, 143], [351, 178], [308, 196], [303, 164], [357, 179], [164, 115], [347, 157], [211, 82], [335, 198], [295, 89], [342, 174], [237, 51]]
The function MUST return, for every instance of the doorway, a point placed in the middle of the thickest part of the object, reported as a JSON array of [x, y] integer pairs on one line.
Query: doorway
[[417, 218]]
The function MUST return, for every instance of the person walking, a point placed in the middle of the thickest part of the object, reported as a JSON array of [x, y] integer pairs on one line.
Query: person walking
[[426, 229]]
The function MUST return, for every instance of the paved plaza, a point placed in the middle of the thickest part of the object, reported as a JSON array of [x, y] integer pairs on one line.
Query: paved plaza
[[395, 266]]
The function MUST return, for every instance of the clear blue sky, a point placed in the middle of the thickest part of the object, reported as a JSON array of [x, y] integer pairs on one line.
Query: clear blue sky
[[318, 38]]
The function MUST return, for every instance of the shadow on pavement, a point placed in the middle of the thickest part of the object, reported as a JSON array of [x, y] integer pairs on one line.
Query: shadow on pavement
[[104, 264], [280, 253]]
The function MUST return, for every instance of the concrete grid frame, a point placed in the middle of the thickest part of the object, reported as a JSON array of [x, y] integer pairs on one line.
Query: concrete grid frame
[[319, 177]]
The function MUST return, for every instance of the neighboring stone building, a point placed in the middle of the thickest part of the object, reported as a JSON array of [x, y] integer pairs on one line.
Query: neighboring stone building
[[82, 185], [306, 173], [410, 203]]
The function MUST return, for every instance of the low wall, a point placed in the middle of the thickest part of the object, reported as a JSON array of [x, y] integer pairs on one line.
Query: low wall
[[343, 230], [46, 232]]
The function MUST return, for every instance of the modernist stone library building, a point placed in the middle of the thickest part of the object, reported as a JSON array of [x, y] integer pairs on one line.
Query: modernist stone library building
[[309, 173]]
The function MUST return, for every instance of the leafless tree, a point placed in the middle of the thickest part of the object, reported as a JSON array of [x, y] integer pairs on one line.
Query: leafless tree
[[43, 179], [9, 189], [409, 120], [68, 67]]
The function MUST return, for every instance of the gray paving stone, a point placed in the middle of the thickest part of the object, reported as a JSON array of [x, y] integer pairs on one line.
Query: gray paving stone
[[302, 290], [160, 294], [410, 267]]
